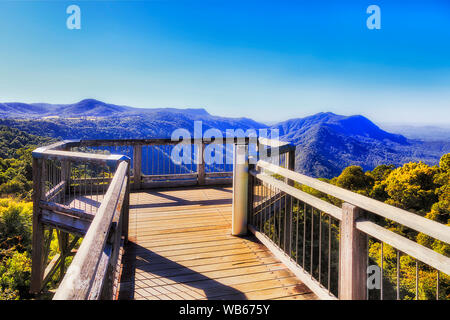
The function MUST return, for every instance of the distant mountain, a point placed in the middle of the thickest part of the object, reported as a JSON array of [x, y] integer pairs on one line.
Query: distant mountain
[[93, 119], [326, 142], [84, 108]]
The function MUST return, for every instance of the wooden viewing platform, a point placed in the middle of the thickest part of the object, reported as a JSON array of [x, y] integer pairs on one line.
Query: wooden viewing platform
[[180, 247], [155, 227]]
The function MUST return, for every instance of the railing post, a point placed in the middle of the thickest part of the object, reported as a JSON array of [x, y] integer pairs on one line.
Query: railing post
[[240, 189], [137, 166], [290, 164], [251, 196], [353, 256], [200, 164], [126, 207], [37, 255]]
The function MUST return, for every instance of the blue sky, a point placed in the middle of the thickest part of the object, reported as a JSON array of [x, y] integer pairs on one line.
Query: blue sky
[[268, 60]]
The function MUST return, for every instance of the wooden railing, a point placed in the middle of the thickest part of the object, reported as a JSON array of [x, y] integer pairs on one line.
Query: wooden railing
[[326, 246], [93, 271], [152, 164], [81, 191], [79, 195]]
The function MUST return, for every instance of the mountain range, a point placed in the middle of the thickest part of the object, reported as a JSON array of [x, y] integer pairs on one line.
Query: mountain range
[[325, 142]]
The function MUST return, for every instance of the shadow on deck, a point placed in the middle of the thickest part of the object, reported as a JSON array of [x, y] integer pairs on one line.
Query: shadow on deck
[[181, 248]]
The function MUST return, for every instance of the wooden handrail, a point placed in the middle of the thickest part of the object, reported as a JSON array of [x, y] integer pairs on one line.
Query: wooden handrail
[[430, 257], [80, 276], [429, 227], [158, 141], [51, 154]]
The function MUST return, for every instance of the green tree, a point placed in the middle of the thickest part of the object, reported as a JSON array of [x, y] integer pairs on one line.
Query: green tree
[[353, 178], [412, 187]]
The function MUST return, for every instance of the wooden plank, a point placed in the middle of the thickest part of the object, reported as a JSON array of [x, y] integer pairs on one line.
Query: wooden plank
[[179, 176], [76, 156], [65, 222], [150, 235], [218, 181], [152, 141], [219, 174], [63, 209]]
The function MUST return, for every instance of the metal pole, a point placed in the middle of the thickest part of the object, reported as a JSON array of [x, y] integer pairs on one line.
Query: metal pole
[[240, 189]]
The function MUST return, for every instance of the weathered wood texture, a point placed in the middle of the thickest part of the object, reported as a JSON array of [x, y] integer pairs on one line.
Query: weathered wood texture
[[353, 256], [38, 228], [89, 264], [180, 247], [137, 170]]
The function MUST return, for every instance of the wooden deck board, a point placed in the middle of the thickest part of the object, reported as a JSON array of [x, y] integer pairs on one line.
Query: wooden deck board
[[181, 248]]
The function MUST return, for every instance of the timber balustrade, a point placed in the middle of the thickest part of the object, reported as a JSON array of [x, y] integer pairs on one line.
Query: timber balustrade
[[326, 246]]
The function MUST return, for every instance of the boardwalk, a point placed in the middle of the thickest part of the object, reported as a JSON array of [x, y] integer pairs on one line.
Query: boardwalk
[[181, 248]]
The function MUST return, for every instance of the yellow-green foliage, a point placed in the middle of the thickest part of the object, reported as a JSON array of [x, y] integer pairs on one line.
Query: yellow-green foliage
[[16, 175], [416, 187], [412, 187], [15, 248], [15, 274], [15, 225]]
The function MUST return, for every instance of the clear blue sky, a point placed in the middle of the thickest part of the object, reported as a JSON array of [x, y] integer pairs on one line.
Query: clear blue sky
[[265, 60]]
